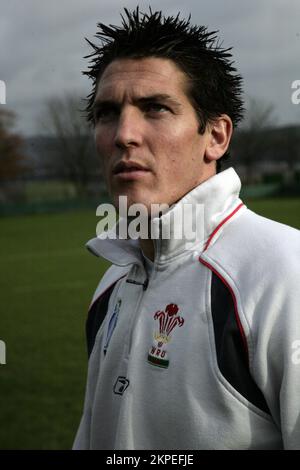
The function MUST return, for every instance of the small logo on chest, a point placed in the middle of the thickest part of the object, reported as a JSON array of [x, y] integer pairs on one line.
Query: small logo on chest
[[121, 385], [166, 321]]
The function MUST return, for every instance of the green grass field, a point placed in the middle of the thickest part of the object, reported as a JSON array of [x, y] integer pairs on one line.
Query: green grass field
[[47, 281]]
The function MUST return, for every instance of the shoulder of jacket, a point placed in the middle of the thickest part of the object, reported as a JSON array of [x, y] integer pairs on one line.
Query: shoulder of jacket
[[254, 243], [259, 259]]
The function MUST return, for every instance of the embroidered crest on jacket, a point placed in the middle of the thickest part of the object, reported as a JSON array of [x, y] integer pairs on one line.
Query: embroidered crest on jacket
[[167, 321]]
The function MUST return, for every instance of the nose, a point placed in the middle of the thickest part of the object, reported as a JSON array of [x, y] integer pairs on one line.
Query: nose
[[129, 129]]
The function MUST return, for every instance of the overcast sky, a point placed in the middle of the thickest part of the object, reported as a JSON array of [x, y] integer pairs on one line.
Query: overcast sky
[[42, 47]]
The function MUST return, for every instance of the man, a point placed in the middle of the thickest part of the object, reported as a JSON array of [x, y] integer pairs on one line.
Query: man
[[192, 340]]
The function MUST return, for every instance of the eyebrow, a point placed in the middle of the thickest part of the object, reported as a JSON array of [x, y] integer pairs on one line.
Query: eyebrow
[[139, 101]]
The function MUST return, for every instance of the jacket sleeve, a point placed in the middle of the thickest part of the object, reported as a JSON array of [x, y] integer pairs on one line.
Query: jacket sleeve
[[260, 259], [276, 347], [82, 439]]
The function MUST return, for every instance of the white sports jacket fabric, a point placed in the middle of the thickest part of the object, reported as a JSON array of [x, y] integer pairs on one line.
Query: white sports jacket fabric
[[205, 354]]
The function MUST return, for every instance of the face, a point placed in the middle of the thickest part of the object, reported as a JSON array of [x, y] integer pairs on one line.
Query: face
[[146, 132]]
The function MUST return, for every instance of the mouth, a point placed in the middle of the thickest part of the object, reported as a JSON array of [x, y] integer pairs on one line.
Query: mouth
[[130, 170]]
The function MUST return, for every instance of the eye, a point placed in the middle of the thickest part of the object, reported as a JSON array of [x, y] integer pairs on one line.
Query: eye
[[105, 114], [156, 108]]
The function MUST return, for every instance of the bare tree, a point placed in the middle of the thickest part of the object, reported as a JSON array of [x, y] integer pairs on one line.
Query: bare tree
[[290, 144], [13, 165], [12, 160], [76, 158], [252, 138]]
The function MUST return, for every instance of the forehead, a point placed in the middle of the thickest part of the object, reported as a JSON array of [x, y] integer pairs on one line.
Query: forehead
[[140, 77]]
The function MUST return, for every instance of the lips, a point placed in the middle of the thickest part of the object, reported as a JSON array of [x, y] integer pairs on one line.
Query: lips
[[128, 167]]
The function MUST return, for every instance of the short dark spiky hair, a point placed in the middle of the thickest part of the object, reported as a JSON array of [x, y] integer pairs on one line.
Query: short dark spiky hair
[[215, 87]]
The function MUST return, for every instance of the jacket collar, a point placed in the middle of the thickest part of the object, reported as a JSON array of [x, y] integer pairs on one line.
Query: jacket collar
[[188, 224]]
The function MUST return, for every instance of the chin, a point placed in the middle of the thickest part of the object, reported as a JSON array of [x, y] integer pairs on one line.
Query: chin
[[132, 200]]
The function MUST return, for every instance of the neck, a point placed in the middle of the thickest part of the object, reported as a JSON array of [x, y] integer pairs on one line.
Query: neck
[[147, 247]]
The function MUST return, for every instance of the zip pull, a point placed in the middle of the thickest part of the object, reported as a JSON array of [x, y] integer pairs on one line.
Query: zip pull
[[144, 284]]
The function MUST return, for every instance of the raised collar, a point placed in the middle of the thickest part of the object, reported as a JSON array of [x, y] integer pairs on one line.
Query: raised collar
[[215, 199]]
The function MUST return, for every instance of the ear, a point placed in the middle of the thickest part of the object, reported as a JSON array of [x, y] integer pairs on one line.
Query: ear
[[219, 135]]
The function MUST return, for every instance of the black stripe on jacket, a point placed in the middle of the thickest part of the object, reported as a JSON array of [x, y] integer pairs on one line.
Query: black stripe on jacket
[[231, 355], [96, 316]]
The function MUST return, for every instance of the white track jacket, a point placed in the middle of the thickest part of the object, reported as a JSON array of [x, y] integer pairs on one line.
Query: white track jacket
[[205, 352]]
